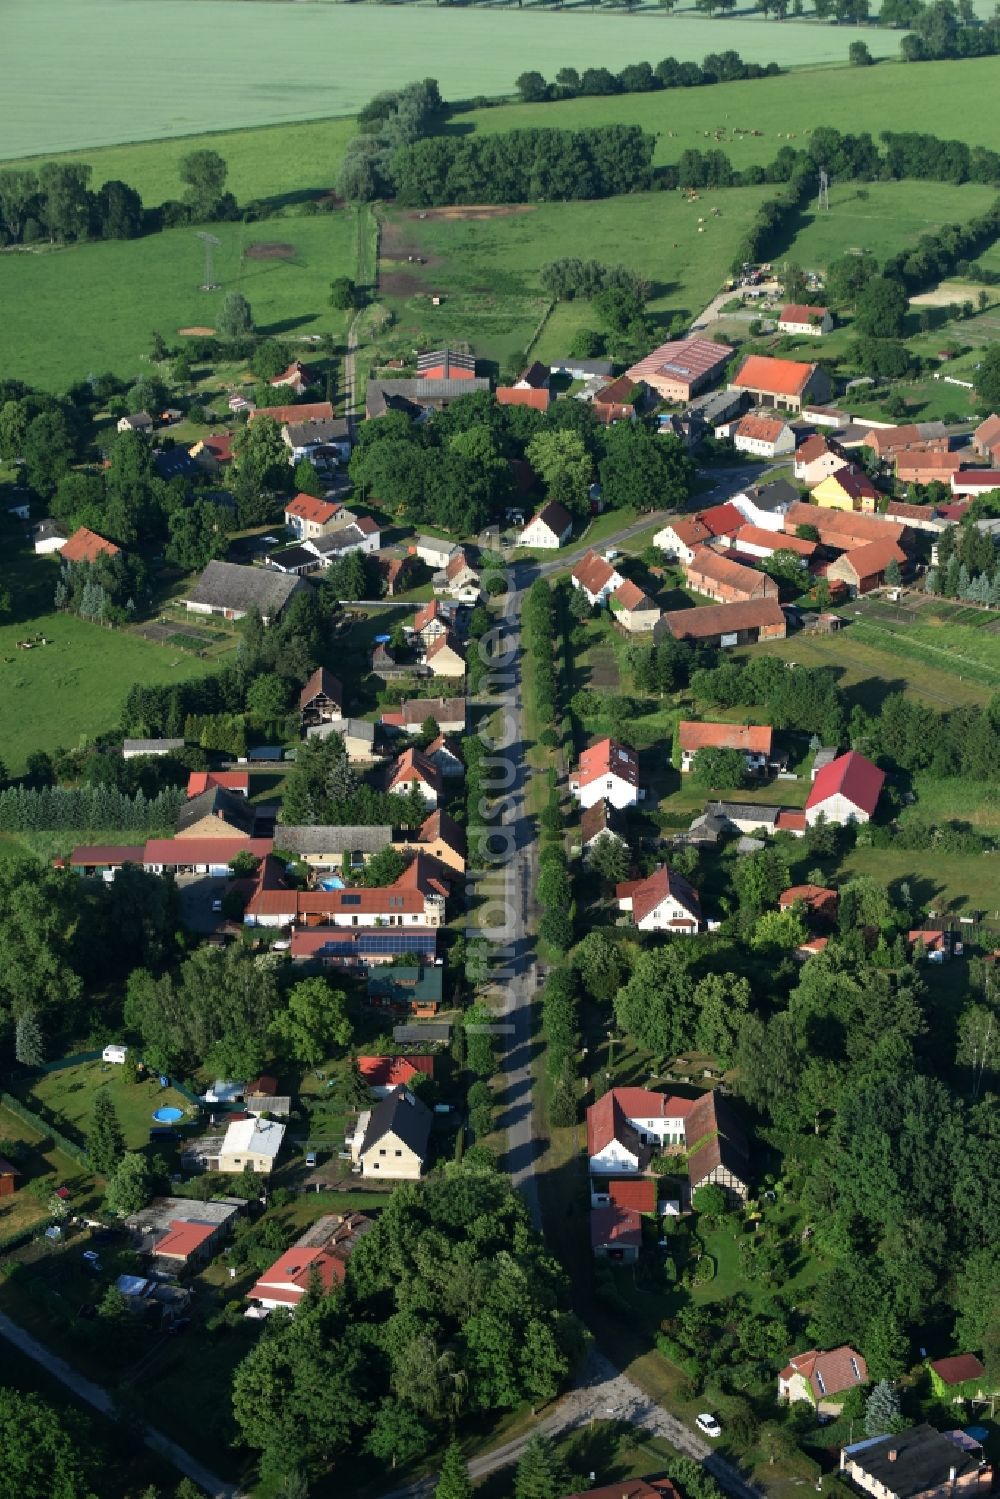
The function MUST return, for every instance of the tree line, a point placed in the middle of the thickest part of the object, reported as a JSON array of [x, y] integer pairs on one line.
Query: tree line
[[48, 808], [641, 77], [55, 202]]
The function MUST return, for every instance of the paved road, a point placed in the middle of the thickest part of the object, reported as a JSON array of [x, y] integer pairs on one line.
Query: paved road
[[99, 1398]]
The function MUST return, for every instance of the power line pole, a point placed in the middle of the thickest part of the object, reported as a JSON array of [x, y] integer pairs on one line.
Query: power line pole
[[209, 242]]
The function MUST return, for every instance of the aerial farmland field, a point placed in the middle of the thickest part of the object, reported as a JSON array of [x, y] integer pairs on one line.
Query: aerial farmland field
[[82, 309], [182, 67]]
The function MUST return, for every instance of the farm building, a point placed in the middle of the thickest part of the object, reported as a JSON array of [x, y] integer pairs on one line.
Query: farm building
[[422, 395], [230, 590], [915, 466], [783, 383], [763, 436], [727, 582], [846, 790], [627, 1124], [973, 481], [918, 437], [330, 848], [680, 369], [445, 364], [680, 538], [802, 321], [633, 611], [725, 625], [307, 411], [841, 530], [409, 717], [863, 568], [322, 698], [986, 439], [753, 541], [134, 749]]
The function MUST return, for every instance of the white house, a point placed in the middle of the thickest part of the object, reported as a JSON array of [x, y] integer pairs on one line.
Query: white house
[[763, 436], [551, 527], [48, 536], [754, 741], [252, 1143], [845, 790], [608, 771], [413, 771], [816, 460], [662, 902], [432, 551], [802, 321], [766, 507], [681, 537], [625, 1121], [595, 578]]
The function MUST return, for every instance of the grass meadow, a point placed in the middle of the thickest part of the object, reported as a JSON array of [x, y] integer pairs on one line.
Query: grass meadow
[[82, 309], [487, 268], [73, 688], [179, 68]]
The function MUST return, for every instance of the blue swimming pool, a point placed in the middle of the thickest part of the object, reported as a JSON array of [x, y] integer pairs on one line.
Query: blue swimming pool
[[332, 882], [168, 1116]]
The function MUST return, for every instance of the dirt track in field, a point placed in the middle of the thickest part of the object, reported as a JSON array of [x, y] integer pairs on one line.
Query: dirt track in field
[[198, 331]]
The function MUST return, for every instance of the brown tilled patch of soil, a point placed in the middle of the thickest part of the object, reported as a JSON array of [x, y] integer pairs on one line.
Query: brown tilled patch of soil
[[198, 331], [265, 250], [400, 283], [471, 211]]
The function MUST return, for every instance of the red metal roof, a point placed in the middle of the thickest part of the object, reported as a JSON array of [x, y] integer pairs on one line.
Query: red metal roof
[[721, 520], [182, 1239], [797, 312], [958, 1368], [850, 776], [621, 1227], [288, 1278], [685, 359], [791, 822], [88, 854], [203, 850]]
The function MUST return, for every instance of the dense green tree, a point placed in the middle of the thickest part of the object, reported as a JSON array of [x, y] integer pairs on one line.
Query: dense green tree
[[644, 472], [313, 1022], [196, 536], [720, 769], [28, 1045], [130, 1185], [453, 1479], [988, 377], [722, 1000], [105, 1139], [45, 1452], [880, 308], [541, 1473], [344, 294], [235, 318], [656, 1004], [204, 174]]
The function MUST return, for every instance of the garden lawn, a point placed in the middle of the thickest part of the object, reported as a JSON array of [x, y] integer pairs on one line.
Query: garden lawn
[[67, 1097], [72, 689], [488, 269], [40, 1159], [954, 882], [180, 69], [70, 312], [47, 845]]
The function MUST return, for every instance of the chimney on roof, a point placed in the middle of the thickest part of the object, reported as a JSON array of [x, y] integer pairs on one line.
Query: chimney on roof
[[892, 1454]]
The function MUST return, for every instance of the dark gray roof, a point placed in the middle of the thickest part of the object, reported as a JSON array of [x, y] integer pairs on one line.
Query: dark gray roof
[[219, 802], [292, 558], [603, 368], [151, 746], [924, 1458], [301, 434], [780, 492], [715, 406], [171, 462], [745, 811], [427, 1030], [324, 840], [341, 540], [226, 585], [380, 393], [47, 528], [356, 728], [402, 1114]]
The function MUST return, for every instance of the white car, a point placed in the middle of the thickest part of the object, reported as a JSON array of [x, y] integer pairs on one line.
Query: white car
[[708, 1425]]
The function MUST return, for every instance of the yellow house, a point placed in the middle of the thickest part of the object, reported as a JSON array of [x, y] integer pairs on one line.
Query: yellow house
[[391, 1139], [848, 489], [251, 1143], [216, 813]]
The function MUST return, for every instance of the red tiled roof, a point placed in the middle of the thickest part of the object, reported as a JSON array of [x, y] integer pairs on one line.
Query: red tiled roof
[[777, 541], [229, 780], [813, 946], [814, 447], [311, 411], [648, 893], [828, 1371], [593, 573], [629, 596], [308, 507], [754, 739], [288, 1278], [797, 312], [294, 371], [219, 444], [440, 825], [515, 395], [555, 516], [413, 763], [790, 822], [621, 392], [322, 683], [427, 615], [721, 520], [873, 558], [850, 776], [444, 641], [779, 377], [203, 850], [87, 854], [619, 1226], [841, 528], [988, 431], [394, 1072], [723, 571], [856, 483], [606, 758], [760, 428], [817, 898], [182, 1239], [640, 1195], [913, 462], [932, 941], [723, 619], [86, 546], [958, 1368]]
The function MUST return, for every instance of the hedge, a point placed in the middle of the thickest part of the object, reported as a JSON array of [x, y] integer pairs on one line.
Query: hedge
[[75, 1152]]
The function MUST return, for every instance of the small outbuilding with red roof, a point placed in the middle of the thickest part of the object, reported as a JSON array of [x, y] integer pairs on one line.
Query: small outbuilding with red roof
[[385, 1074], [846, 790], [616, 1234]]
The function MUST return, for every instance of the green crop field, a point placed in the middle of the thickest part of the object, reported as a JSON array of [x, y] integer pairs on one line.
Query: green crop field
[[883, 217], [788, 107], [487, 268], [69, 312], [73, 688], [98, 72]]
